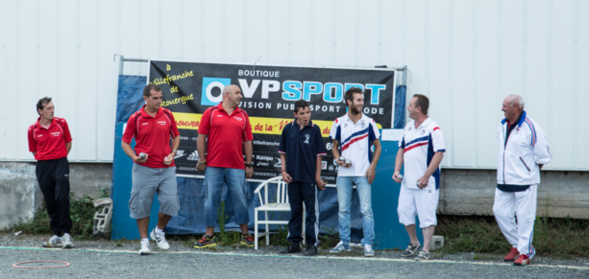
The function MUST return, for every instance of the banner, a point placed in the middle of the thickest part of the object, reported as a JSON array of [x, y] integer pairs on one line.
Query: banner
[[269, 93]]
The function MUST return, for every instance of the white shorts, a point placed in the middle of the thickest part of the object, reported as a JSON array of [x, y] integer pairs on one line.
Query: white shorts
[[420, 202]]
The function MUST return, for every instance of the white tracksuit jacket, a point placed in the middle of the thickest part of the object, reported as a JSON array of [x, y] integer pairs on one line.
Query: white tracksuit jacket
[[526, 148]]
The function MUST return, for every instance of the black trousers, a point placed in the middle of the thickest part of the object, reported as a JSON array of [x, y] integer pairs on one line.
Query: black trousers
[[54, 180], [299, 193]]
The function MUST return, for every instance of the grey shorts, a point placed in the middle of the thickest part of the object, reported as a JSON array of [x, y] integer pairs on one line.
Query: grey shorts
[[146, 182]]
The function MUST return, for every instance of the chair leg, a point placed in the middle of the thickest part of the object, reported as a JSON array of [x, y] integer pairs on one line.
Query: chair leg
[[267, 230], [256, 230]]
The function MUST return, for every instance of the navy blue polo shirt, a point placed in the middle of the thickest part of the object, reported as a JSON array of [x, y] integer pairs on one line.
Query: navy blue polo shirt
[[301, 148]]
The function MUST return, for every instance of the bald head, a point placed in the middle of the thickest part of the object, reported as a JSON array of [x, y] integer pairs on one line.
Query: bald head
[[232, 96]]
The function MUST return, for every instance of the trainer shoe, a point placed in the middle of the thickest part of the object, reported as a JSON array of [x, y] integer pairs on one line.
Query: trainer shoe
[[247, 240], [205, 242], [422, 256], [54, 241], [513, 253], [292, 248], [522, 260], [67, 241], [340, 247], [411, 250], [368, 251], [311, 250], [145, 248], [160, 239]]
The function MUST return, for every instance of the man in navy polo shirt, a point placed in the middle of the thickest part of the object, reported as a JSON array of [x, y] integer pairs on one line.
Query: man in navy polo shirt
[[301, 148]]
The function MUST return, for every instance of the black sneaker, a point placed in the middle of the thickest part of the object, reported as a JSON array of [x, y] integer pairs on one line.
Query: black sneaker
[[292, 248], [311, 250], [205, 242], [247, 240]]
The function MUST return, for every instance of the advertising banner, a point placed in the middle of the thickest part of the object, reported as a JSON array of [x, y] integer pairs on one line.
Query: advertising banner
[[269, 93]]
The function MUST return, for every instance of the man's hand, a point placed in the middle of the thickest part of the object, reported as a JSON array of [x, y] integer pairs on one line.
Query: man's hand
[[397, 177], [169, 159], [249, 172], [286, 177], [370, 174], [320, 183], [343, 164], [138, 159], [201, 166], [422, 182]]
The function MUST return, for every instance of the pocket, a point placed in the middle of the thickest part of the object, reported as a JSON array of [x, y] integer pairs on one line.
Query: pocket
[[524, 163]]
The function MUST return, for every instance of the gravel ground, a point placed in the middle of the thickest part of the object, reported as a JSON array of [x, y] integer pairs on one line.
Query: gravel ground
[[119, 259]]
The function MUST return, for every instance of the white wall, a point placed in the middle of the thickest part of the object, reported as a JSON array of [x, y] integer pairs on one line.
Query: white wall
[[465, 54]]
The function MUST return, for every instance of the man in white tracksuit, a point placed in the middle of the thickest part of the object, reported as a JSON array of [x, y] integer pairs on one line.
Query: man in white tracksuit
[[523, 150]]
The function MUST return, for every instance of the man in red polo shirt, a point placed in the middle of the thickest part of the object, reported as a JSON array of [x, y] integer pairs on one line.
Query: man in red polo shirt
[[229, 135], [50, 141], [153, 168]]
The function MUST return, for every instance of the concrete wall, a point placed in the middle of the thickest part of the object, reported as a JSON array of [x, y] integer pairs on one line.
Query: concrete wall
[[20, 195], [471, 192]]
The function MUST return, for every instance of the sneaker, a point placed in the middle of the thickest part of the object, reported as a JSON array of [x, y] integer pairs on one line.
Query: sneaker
[[160, 239], [311, 250], [411, 250], [513, 253], [340, 247], [67, 241], [145, 248], [422, 256], [247, 240], [522, 260], [205, 241], [54, 241], [292, 248], [368, 251]]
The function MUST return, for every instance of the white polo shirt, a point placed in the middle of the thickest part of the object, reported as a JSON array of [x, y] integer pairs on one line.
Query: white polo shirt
[[354, 143], [419, 146]]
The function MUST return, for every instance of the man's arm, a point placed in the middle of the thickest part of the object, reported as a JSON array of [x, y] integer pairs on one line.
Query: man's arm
[[248, 150], [131, 153], [398, 164], [175, 144], [336, 154], [371, 171], [285, 176], [200, 148], [433, 166], [68, 147], [320, 183]]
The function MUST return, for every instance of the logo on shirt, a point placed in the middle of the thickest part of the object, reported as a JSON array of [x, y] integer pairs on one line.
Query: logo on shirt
[[237, 118], [56, 134], [307, 137], [162, 122], [144, 123]]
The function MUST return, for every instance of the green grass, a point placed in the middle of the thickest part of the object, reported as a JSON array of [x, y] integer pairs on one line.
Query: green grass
[[554, 237]]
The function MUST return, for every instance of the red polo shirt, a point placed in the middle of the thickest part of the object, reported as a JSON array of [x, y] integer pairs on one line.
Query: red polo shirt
[[226, 134], [49, 143], [152, 135]]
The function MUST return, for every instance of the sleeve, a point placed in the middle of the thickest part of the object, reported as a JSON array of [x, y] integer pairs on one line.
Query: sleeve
[[32, 141], [67, 136], [283, 137], [374, 134], [247, 132], [204, 125], [130, 129], [438, 140], [402, 141], [541, 149], [335, 133], [319, 143], [173, 126]]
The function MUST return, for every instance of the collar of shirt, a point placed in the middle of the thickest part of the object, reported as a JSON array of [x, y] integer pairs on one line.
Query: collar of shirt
[[220, 108], [423, 124], [348, 119], [520, 121], [157, 114], [296, 124], [39, 123]]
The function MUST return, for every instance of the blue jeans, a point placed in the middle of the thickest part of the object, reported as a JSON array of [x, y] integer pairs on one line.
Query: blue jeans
[[344, 199], [235, 180]]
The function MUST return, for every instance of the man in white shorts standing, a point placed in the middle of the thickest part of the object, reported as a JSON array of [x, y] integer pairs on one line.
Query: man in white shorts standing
[[421, 150]]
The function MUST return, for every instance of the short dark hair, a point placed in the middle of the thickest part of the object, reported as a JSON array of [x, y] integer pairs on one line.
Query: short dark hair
[[349, 95], [300, 104], [147, 89], [42, 102], [422, 102]]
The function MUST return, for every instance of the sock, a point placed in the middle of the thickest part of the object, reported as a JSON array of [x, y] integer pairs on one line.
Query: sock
[[158, 231], [144, 240]]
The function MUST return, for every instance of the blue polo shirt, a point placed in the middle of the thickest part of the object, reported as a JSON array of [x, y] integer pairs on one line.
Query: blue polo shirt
[[301, 148]]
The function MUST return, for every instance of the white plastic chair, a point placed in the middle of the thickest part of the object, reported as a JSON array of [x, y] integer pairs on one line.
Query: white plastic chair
[[277, 202]]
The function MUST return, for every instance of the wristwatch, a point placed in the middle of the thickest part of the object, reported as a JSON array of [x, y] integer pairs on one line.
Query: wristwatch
[[251, 165]]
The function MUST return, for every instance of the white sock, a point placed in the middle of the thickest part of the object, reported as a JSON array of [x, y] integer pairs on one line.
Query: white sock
[[158, 231], [144, 240]]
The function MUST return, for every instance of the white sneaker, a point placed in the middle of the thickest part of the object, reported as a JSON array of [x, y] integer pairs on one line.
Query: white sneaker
[[340, 247], [145, 249], [160, 239], [54, 241], [67, 241], [368, 251]]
